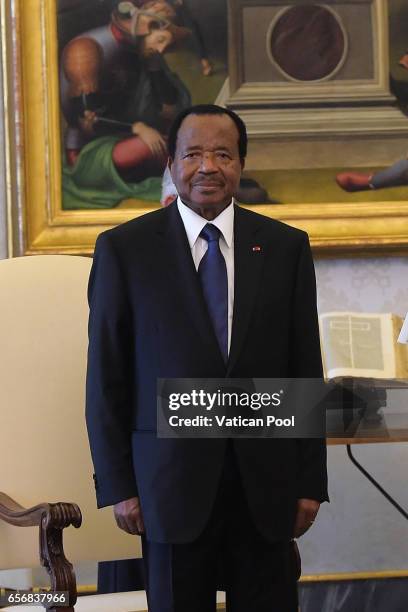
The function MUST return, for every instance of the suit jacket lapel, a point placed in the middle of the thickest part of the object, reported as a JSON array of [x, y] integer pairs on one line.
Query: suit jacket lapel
[[184, 278], [248, 262]]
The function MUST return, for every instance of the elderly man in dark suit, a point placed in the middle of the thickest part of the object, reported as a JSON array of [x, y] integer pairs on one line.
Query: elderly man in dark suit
[[203, 289]]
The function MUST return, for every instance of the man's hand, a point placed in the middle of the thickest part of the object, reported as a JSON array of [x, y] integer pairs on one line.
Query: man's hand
[[206, 67], [128, 515], [87, 122], [152, 138], [404, 61], [307, 510]]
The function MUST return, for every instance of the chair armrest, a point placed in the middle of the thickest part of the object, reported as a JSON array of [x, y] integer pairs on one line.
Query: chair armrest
[[59, 515], [51, 520]]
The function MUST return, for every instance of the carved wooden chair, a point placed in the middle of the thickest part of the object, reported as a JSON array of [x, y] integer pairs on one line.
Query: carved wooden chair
[[44, 447]]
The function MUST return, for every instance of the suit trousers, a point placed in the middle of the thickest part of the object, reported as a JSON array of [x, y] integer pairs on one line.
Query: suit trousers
[[230, 554]]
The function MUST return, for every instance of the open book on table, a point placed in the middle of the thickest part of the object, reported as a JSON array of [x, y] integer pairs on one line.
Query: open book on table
[[364, 346]]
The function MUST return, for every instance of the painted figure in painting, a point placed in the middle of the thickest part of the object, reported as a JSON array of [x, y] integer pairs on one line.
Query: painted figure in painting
[[119, 98], [183, 16], [395, 175]]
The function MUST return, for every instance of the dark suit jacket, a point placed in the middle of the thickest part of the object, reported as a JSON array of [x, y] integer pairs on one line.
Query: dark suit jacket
[[148, 320]]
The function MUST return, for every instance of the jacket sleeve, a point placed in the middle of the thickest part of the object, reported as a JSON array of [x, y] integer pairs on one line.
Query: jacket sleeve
[[306, 362], [108, 384]]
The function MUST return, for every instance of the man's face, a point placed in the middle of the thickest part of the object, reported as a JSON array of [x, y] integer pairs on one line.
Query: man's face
[[206, 167], [156, 42]]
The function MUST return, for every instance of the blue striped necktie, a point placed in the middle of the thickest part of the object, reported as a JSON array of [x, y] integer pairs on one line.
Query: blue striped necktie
[[214, 281]]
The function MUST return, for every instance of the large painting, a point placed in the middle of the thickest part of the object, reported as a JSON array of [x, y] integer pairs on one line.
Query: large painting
[[92, 89]]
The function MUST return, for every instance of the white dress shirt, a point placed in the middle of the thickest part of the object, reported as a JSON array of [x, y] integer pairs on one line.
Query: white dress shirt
[[193, 224]]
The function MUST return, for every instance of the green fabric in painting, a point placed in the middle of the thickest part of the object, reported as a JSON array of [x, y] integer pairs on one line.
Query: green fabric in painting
[[95, 183]]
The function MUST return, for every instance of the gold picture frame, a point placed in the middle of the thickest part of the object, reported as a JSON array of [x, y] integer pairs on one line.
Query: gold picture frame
[[31, 96]]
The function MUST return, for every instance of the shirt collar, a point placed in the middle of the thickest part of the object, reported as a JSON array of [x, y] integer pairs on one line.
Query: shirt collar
[[194, 222]]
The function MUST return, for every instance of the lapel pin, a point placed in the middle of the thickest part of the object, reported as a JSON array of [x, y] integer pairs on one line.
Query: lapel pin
[[256, 249]]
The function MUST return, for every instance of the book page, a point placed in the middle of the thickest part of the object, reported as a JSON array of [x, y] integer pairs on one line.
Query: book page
[[358, 345], [403, 336], [401, 349]]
